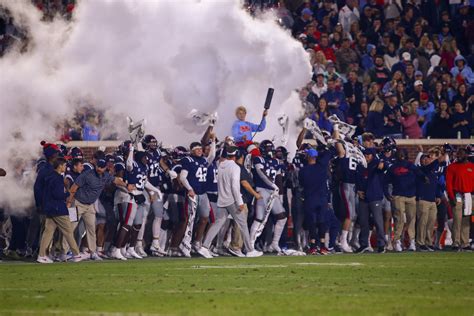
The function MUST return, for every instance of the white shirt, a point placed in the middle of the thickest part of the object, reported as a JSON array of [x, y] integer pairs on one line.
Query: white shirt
[[228, 184]]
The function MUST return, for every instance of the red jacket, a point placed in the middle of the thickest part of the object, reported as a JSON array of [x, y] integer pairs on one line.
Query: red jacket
[[459, 178]]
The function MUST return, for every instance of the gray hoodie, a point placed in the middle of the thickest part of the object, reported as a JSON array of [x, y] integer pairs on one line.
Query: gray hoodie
[[228, 184]]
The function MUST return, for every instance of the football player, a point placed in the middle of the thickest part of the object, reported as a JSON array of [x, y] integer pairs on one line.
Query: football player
[[265, 170]]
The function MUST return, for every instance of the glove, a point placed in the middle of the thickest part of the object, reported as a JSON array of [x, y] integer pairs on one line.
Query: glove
[[172, 174]]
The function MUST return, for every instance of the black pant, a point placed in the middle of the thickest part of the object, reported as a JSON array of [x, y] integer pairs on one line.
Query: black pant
[[363, 214]]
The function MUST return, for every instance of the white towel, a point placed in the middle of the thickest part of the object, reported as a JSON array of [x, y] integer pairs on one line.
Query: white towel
[[467, 211]]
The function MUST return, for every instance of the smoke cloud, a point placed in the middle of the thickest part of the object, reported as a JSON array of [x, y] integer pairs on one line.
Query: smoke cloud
[[145, 59]]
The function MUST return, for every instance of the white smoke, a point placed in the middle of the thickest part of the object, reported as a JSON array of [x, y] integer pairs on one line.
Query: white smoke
[[147, 59]]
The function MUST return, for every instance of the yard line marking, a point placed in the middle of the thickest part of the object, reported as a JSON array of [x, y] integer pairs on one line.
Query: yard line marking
[[349, 264], [239, 266]]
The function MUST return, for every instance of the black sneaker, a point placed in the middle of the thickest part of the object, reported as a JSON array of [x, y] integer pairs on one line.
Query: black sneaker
[[335, 250], [431, 248], [362, 249], [455, 249], [423, 248], [381, 249], [467, 249]]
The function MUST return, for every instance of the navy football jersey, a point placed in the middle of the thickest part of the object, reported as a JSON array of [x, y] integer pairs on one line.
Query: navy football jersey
[[154, 168], [71, 176], [197, 173], [212, 178], [270, 169], [138, 175], [347, 167]]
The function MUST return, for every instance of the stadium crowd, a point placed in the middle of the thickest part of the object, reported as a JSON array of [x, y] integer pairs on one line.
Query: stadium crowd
[[393, 69]]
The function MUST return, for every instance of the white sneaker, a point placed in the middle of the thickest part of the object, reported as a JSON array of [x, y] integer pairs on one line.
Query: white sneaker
[[132, 253], [389, 246], [117, 254], [44, 259], [125, 253], [213, 253], [157, 251], [370, 249], [141, 251], [274, 248], [412, 246], [345, 248], [236, 252], [96, 257], [254, 253], [398, 246], [77, 258], [203, 251]]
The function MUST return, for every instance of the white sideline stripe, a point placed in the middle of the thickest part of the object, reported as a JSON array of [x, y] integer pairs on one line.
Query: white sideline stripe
[[73, 312], [251, 266]]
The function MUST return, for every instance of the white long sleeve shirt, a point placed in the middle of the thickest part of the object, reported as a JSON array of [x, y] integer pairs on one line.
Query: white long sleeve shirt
[[228, 184]]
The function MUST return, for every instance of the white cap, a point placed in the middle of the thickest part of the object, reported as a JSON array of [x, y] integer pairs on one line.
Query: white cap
[[418, 83], [406, 56]]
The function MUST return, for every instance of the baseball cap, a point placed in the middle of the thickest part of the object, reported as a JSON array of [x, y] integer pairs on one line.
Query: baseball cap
[[418, 73], [418, 83], [101, 163], [406, 56], [231, 151], [313, 153], [306, 11]]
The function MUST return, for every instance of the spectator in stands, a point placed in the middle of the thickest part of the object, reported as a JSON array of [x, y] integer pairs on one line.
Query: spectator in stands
[[462, 72], [354, 92], [379, 73], [391, 113], [345, 55], [402, 64], [390, 57], [375, 119], [461, 121], [439, 93], [349, 14], [441, 125], [373, 92], [301, 23], [360, 119], [319, 65], [409, 120], [320, 87], [325, 48], [321, 115], [336, 98], [425, 113], [400, 93]]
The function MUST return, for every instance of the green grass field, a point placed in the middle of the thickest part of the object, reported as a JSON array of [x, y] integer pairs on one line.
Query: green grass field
[[393, 284]]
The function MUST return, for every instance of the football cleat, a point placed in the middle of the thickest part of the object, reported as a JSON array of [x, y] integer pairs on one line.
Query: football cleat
[[203, 251], [132, 253], [44, 259], [398, 246], [254, 253], [141, 251], [117, 254]]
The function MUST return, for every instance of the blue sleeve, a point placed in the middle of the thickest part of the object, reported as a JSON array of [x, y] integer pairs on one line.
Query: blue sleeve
[[38, 188], [258, 127]]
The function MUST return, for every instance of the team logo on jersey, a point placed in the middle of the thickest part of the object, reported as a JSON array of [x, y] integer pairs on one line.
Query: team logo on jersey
[[469, 169]]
